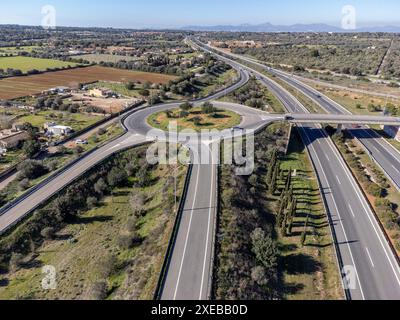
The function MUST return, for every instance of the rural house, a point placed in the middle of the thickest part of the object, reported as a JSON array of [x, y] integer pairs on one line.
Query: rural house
[[57, 130], [101, 93], [10, 139]]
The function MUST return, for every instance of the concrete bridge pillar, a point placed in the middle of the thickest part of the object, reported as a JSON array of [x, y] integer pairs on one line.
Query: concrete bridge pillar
[[339, 128]]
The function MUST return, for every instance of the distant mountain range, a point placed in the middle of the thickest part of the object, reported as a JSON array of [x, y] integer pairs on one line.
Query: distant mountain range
[[268, 27]]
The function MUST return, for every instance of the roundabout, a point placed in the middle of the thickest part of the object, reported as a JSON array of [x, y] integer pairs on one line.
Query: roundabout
[[195, 119], [141, 123]]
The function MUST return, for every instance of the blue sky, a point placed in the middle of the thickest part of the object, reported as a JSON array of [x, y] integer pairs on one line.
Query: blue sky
[[175, 13]]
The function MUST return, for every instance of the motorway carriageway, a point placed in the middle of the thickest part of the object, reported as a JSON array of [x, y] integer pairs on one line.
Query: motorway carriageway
[[364, 254]]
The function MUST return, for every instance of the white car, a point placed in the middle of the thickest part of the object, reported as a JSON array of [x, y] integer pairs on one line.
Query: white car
[[79, 141]]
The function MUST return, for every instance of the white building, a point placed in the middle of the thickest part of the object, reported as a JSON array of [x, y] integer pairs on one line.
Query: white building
[[57, 130]]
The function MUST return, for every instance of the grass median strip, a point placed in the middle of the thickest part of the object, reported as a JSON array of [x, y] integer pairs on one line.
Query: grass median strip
[[296, 264]]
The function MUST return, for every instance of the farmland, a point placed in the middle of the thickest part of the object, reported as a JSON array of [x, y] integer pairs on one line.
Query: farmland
[[26, 63], [15, 87], [97, 58], [4, 51]]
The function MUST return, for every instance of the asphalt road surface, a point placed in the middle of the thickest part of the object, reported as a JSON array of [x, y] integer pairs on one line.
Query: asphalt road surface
[[371, 269]]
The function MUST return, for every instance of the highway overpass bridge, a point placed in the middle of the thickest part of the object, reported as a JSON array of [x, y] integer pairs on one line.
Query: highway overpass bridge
[[341, 119]]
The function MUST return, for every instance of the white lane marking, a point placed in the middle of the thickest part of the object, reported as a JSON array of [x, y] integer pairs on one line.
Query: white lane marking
[[389, 148], [365, 206], [187, 235], [397, 170], [338, 213], [116, 146], [352, 212], [337, 178], [370, 258], [208, 233]]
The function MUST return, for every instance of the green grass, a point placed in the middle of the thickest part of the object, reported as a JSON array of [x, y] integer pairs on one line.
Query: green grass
[[223, 80], [224, 120], [77, 121], [121, 89], [16, 50], [27, 63], [97, 57]]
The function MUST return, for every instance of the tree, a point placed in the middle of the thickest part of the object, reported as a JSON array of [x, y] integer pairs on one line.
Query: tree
[[274, 180], [304, 233], [24, 184], [208, 108], [31, 169], [147, 85], [271, 166], [16, 261], [197, 121], [292, 214], [154, 99], [258, 275], [144, 92], [48, 233], [130, 85], [186, 106], [91, 202], [116, 177], [98, 290], [31, 147], [264, 248], [100, 187], [78, 150]]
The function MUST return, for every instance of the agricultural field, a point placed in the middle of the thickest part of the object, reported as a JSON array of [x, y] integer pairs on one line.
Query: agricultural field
[[15, 87], [76, 121], [98, 57], [354, 55], [26, 64], [6, 51]]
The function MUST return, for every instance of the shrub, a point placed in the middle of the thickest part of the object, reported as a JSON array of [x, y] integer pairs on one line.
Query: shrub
[[31, 147], [130, 85], [16, 261], [98, 290], [100, 187], [116, 177], [48, 233], [186, 106], [31, 169], [101, 131], [375, 190], [91, 202], [264, 248], [24, 185], [208, 108]]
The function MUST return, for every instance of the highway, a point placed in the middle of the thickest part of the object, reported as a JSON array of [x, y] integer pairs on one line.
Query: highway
[[360, 242], [190, 269], [382, 152], [354, 120], [363, 251], [189, 273]]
